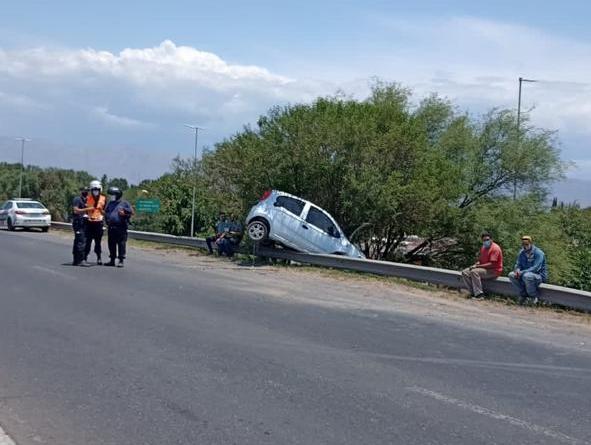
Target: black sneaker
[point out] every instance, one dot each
(522, 300)
(110, 263)
(479, 296)
(120, 263)
(99, 262)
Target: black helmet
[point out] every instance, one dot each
(115, 191)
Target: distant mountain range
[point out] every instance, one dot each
(573, 190)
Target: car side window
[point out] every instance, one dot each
(7, 205)
(292, 205)
(317, 218)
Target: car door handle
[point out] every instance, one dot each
(304, 226)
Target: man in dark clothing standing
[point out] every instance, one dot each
(117, 213)
(79, 216)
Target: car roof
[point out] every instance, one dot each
(279, 192)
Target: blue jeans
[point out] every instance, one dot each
(527, 284)
(227, 246)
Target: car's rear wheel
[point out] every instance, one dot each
(10, 225)
(257, 230)
(45, 229)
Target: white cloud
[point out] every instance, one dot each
(22, 102)
(141, 96)
(149, 65)
(121, 121)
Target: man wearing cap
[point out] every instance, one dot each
(530, 270)
(117, 213)
(488, 267)
(79, 216)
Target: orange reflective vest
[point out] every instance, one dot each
(96, 214)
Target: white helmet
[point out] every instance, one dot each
(96, 184)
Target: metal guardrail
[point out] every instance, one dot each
(558, 295)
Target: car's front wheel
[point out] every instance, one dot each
(45, 229)
(10, 225)
(257, 230)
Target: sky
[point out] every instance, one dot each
(107, 86)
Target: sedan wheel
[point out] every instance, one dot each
(9, 225)
(257, 231)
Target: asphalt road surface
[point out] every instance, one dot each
(165, 353)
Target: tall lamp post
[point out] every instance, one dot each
(20, 181)
(196, 128)
(521, 80)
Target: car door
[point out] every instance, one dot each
(287, 220)
(323, 233)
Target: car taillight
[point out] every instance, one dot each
(20, 212)
(46, 212)
(265, 195)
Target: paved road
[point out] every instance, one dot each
(159, 353)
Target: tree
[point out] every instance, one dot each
(386, 166)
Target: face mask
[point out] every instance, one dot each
(487, 243)
(527, 247)
(113, 198)
(95, 193)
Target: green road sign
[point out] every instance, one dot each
(147, 205)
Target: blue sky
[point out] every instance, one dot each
(109, 84)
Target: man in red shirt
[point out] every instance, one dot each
(488, 267)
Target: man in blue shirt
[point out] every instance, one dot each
(530, 270)
(117, 214)
(220, 228)
(79, 216)
(230, 240)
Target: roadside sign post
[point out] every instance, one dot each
(147, 206)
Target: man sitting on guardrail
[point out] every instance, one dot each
(229, 241)
(220, 228)
(488, 267)
(530, 270)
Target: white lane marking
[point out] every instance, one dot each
(5, 439)
(498, 416)
(486, 364)
(53, 272)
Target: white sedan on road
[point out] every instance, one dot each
(24, 213)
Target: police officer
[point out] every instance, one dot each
(118, 212)
(79, 217)
(94, 224)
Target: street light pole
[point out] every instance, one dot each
(196, 128)
(521, 80)
(20, 181)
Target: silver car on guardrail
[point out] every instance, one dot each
(297, 224)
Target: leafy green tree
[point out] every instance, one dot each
(386, 168)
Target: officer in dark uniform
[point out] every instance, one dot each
(79, 216)
(117, 213)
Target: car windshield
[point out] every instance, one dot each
(29, 205)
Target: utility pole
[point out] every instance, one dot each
(196, 128)
(521, 80)
(20, 181)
